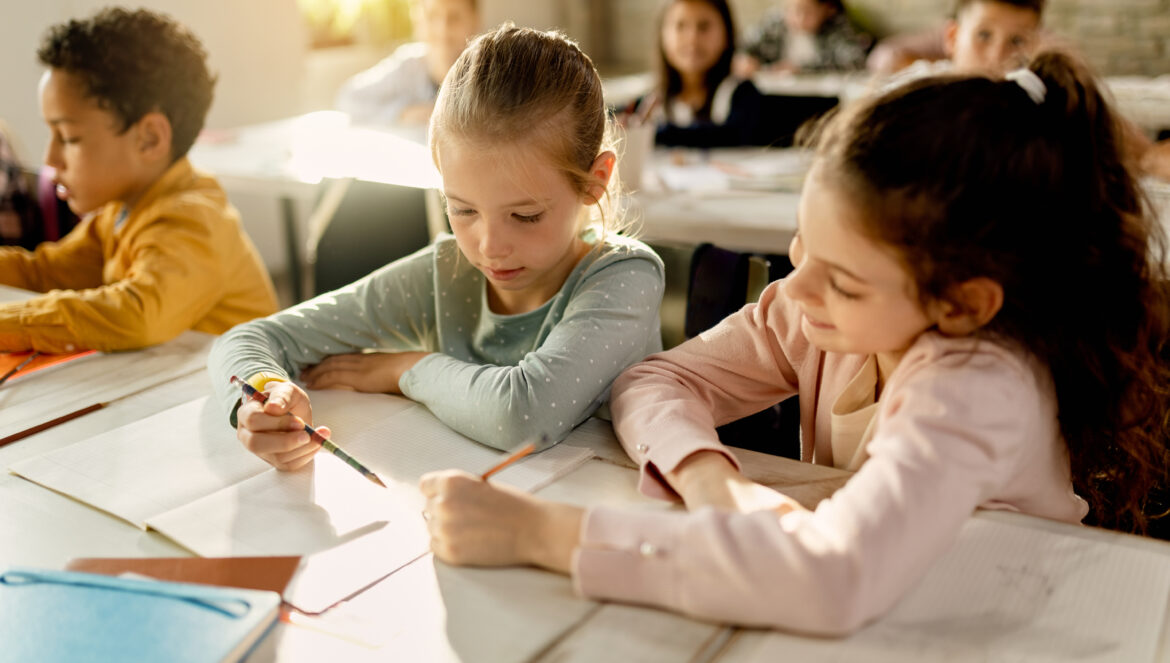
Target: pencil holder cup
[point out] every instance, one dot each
(637, 146)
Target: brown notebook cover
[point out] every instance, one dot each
(271, 573)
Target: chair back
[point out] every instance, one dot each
(704, 284)
(783, 115)
(359, 226)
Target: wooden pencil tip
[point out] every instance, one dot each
(374, 477)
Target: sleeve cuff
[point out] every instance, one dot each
(262, 378)
(257, 380)
(628, 556)
(655, 463)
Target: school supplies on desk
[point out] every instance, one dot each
(734, 169)
(57, 394)
(265, 573)
(1010, 588)
(49, 616)
(198, 486)
(251, 393)
(523, 450)
(24, 362)
(68, 416)
(15, 365)
(310, 583)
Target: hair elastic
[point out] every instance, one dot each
(1030, 83)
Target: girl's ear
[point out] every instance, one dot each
(971, 304)
(950, 35)
(601, 171)
(154, 137)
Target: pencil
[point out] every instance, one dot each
(49, 424)
(14, 371)
(252, 393)
(516, 455)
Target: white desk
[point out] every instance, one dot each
(620, 91)
(287, 160)
(744, 199)
(1143, 100)
(842, 85)
(428, 611)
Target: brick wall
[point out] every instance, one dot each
(1116, 36)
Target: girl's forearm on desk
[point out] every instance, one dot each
(552, 537)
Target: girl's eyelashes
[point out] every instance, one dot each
(840, 291)
(467, 211)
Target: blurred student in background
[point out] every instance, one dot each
(982, 36)
(401, 89)
(697, 101)
(808, 35)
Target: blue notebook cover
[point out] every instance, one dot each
(48, 616)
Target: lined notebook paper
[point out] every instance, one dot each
(1007, 592)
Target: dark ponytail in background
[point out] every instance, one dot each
(970, 177)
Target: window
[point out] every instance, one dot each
(345, 22)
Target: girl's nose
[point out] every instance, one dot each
(494, 243)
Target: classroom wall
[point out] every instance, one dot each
(257, 47)
(1116, 36)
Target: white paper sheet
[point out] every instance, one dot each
(1006, 592)
(183, 472)
(46, 395)
(328, 503)
(151, 466)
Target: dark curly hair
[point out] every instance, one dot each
(136, 62)
(969, 177)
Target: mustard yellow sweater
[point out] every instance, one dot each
(179, 261)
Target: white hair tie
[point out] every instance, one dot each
(1030, 83)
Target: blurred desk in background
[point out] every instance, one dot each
(286, 161)
(1144, 100)
(742, 199)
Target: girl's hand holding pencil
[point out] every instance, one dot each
(478, 523)
(317, 438)
(475, 522)
(274, 429)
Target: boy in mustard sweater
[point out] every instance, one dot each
(159, 250)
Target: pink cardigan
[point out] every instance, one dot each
(961, 424)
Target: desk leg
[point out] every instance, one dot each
(292, 245)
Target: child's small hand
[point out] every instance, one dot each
(709, 479)
(1156, 161)
(374, 373)
(744, 65)
(473, 522)
(275, 430)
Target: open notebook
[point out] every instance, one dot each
(183, 473)
(43, 396)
